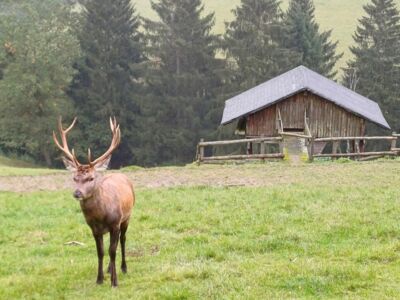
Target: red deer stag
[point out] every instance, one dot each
(106, 201)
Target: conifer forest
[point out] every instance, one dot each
(165, 77)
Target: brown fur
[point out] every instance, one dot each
(107, 208)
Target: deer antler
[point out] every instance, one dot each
(64, 148)
(116, 138)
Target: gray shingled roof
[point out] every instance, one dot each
(294, 81)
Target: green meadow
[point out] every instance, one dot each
(337, 237)
(340, 16)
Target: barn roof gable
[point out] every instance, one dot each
(293, 82)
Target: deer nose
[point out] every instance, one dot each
(78, 194)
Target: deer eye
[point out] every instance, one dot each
(75, 179)
(90, 179)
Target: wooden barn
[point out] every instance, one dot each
(301, 97)
(304, 108)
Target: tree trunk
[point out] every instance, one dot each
(47, 157)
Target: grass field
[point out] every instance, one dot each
(333, 233)
(339, 15)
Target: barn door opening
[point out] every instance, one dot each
(292, 113)
(285, 125)
(294, 138)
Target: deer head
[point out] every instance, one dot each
(85, 175)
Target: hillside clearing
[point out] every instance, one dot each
(17, 167)
(337, 15)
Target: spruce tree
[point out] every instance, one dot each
(303, 36)
(182, 80)
(109, 79)
(254, 43)
(375, 70)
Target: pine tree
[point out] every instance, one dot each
(36, 71)
(182, 79)
(375, 70)
(254, 42)
(109, 79)
(302, 35)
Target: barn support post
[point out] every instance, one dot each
(362, 146)
(280, 122)
(348, 147)
(249, 150)
(311, 149)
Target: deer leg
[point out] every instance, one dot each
(100, 254)
(124, 227)
(114, 237)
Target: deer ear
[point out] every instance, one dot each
(103, 165)
(69, 165)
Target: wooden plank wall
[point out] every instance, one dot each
(292, 111)
(329, 120)
(262, 123)
(325, 118)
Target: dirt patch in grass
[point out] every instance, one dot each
(269, 174)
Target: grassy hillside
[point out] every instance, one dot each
(11, 162)
(16, 171)
(15, 167)
(330, 234)
(339, 15)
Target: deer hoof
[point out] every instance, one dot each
(124, 269)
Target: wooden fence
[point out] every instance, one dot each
(357, 148)
(200, 156)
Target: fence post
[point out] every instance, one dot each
(394, 142)
(201, 151)
(262, 146)
(335, 146)
(357, 146)
(311, 150)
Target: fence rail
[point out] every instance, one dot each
(249, 156)
(358, 144)
(242, 141)
(357, 154)
(200, 155)
(349, 138)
